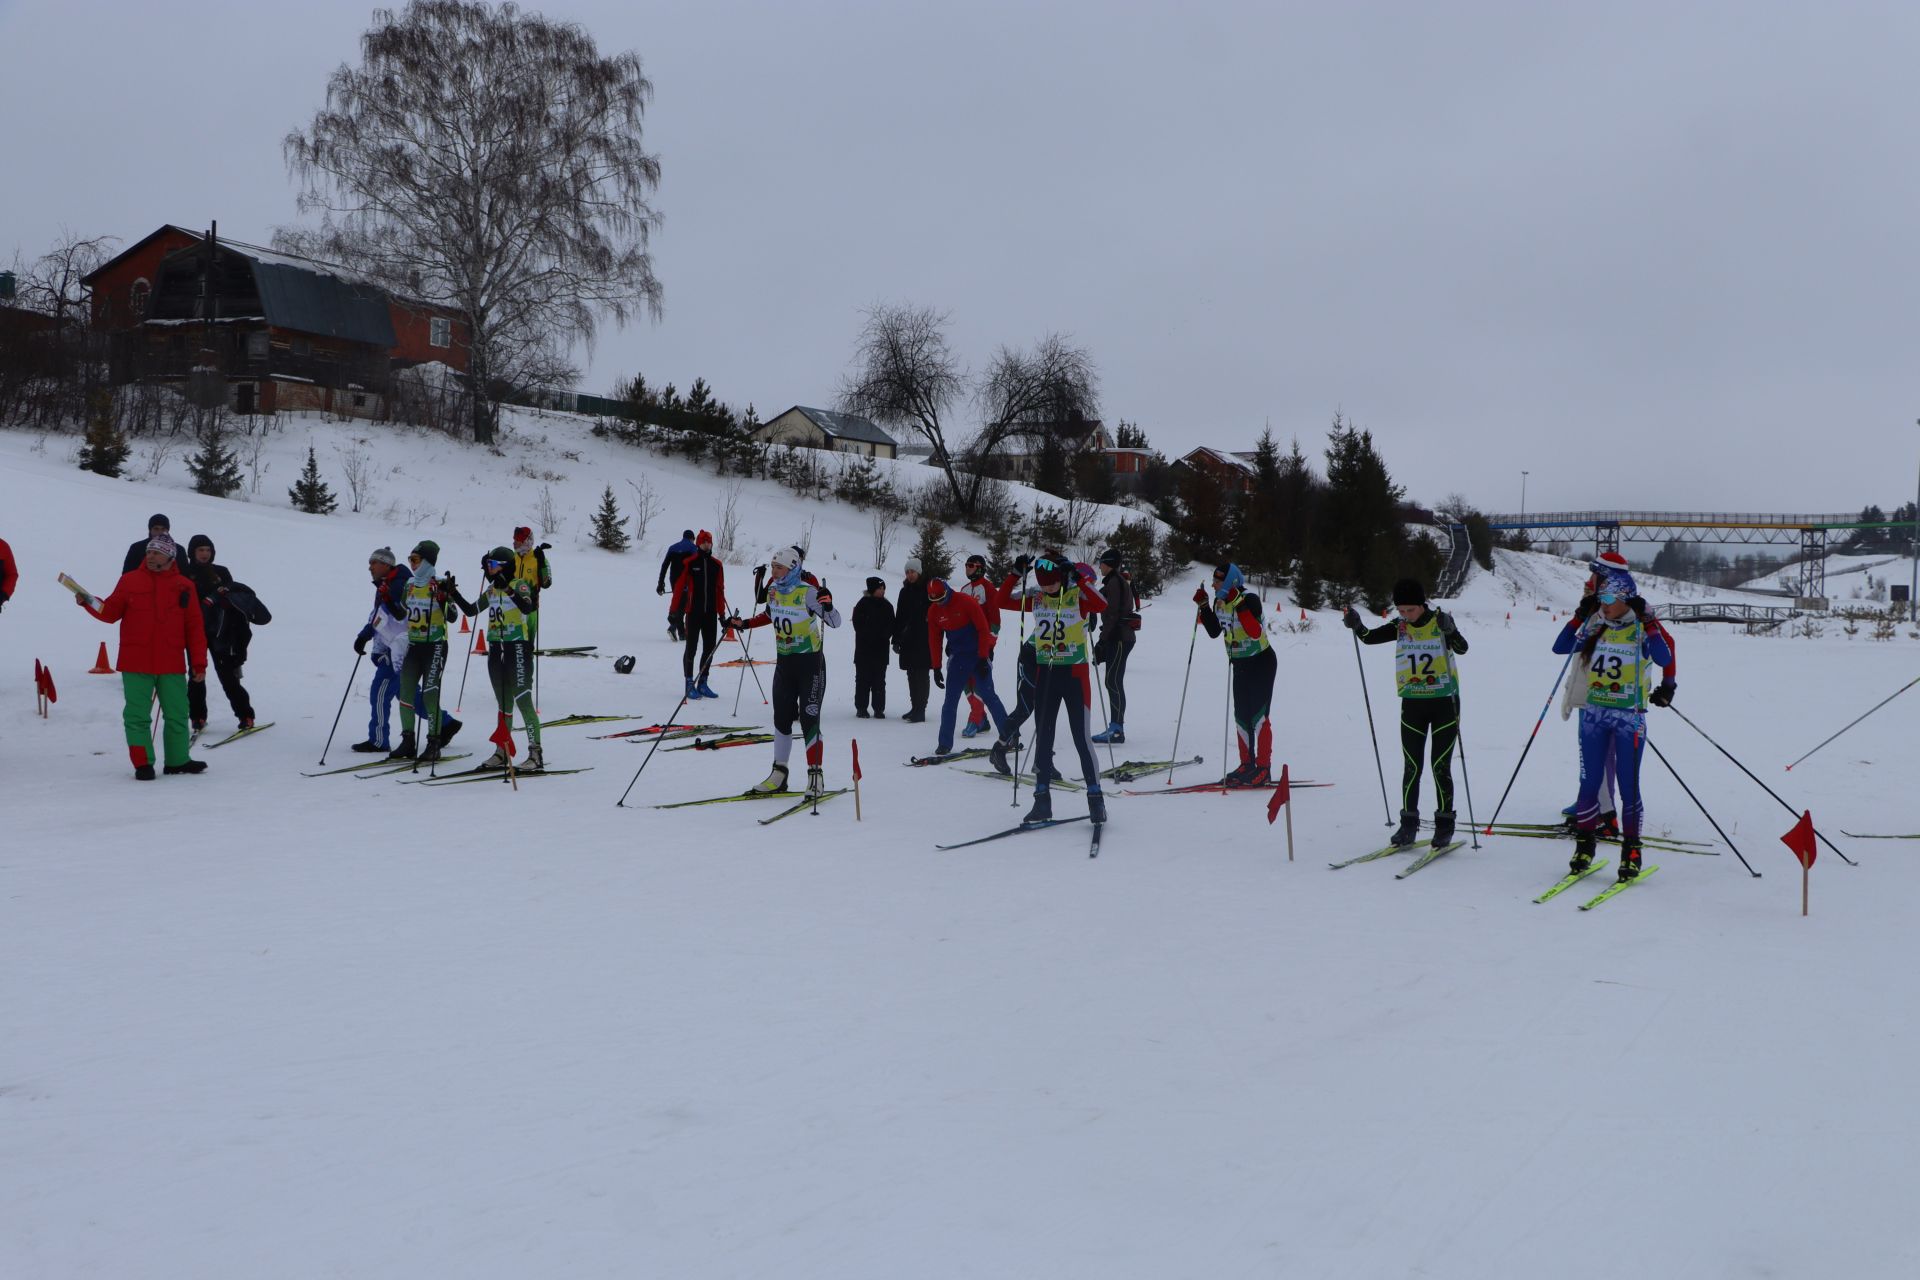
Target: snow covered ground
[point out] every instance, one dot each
(255, 1024)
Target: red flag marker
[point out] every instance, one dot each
(1281, 795)
(1801, 841)
(856, 778)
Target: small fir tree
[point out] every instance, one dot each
(931, 551)
(310, 493)
(215, 469)
(609, 528)
(104, 448)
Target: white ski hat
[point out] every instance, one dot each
(787, 557)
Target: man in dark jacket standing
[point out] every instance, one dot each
(700, 601)
(157, 525)
(910, 640)
(670, 569)
(872, 637)
(227, 612)
(1115, 642)
(163, 647)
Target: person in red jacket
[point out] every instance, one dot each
(9, 573)
(957, 615)
(163, 644)
(700, 602)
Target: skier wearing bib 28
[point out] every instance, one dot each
(1616, 645)
(1060, 605)
(797, 606)
(1425, 643)
(1233, 614)
(509, 602)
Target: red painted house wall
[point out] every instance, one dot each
(113, 284)
(413, 327)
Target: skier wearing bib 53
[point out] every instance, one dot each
(1425, 643)
(1614, 641)
(797, 605)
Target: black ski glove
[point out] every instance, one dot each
(360, 644)
(1639, 607)
(939, 680)
(1446, 623)
(1352, 621)
(1588, 606)
(1662, 696)
(1022, 563)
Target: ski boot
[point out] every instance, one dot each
(536, 759)
(973, 730)
(431, 752)
(997, 757)
(1096, 807)
(693, 691)
(1583, 853)
(498, 760)
(1113, 733)
(1609, 826)
(200, 766)
(450, 728)
(1042, 810)
(1256, 775)
(816, 782)
(144, 772)
(369, 747)
(197, 727)
(1050, 775)
(1629, 861)
(246, 724)
(773, 784)
(704, 689)
(861, 713)
(405, 751)
(1408, 832)
(1442, 828)
(1243, 776)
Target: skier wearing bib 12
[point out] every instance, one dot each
(1429, 684)
(509, 600)
(1616, 646)
(1233, 614)
(797, 605)
(1060, 605)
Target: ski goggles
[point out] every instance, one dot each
(1609, 597)
(1050, 566)
(494, 566)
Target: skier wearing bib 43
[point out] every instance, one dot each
(797, 605)
(1425, 643)
(1233, 614)
(1616, 646)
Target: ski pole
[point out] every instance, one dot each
(1460, 740)
(1019, 657)
(1703, 809)
(1546, 707)
(1875, 707)
(460, 703)
(345, 694)
(1750, 773)
(1366, 697)
(661, 737)
(1100, 688)
(1192, 636)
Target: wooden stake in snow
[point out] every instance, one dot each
(1801, 841)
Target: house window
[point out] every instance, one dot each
(257, 345)
(137, 298)
(440, 332)
(302, 347)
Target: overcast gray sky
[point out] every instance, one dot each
(1659, 255)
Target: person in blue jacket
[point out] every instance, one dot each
(1619, 652)
(670, 568)
(386, 632)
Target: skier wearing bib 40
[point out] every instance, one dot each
(1060, 605)
(1616, 646)
(796, 607)
(1425, 643)
(1233, 614)
(509, 601)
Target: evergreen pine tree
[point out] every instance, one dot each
(1257, 541)
(609, 529)
(310, 493)
(931, 551)
(214, 468)
(104, 449)
(1308, 592)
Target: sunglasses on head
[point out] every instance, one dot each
(494, 564)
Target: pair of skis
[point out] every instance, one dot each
(565, 722)
(494, 774)
(1093, 846)
(801, 801)
(1575, 877)
(721, 743)
(1429, 854)
(234, 736)
(381, 768)
(1220, 789)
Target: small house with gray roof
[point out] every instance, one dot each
(824, 429)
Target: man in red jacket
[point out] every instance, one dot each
(163, 643)
(9, 573)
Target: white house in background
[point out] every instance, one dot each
(825, 429)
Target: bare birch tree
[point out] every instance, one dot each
(489, 161)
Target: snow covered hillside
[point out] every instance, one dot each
(259, 1024)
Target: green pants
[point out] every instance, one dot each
(140, 690)
(510, 672)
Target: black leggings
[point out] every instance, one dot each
(1059, 687)
(1024, 682)
(227, 667)
(705, 632)
(799, 687)
(1418, 718)
(1117, 680)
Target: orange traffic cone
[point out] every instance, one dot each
(101, 667)
(479, 641)
(729, 638)
(463, 623)
(1303, 615)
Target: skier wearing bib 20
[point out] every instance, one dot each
(509, 601)
(1233, 614)
(1425, 643)
(797, 606)
(1616, 647)
(1060, 605)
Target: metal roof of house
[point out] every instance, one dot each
(845, 426)
(1223, 457)
(307, 298)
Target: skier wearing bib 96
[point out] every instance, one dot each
(1233, 614)
(797, 605)
(1425, 642)
(1616, 645)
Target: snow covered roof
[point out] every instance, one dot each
(1222, 458)
(845, 426)
(303, 296)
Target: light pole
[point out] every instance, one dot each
(1523, 493)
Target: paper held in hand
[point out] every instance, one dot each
(86, 596)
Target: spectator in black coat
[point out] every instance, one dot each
(229, 610)
(872, 639)
(910, 640)
(137, 553)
